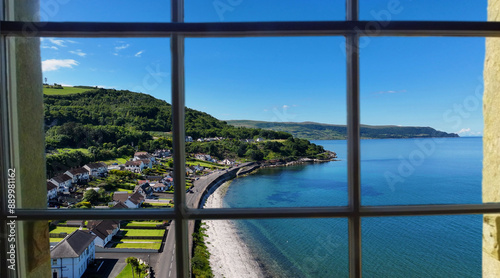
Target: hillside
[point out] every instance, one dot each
(103, 124)
(318, 131)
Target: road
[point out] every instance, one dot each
(166, 259)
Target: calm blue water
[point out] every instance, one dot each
(393, 172)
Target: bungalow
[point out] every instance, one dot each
(198, 167)
(159, 187)
(135, 200)
(63, 182)
(202, 156)
(161, 153)
(134, 166)
(120, 197)
(51, 190)
(78, 174)
(189, 139)
(98, 169)
(227, 162)
(104, 230)
(145, 189)
(144, 156)
(71, 256)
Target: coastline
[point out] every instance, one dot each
(229, 255)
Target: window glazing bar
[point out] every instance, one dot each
(258, 213)
(251, 29)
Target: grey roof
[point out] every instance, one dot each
(136, 198)
(51, 185)
(130, 162)
(62, 178)
(96, 165)
(120, 196)
(119, 205)
(102, 228)
(73, 245)
(77, 171)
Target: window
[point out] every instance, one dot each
(178, 31)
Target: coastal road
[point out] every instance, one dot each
(165, 266)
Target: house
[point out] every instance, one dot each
(159, 187)
(135, 200)
(259, 139)
(104, 230)
(98, 169)
(145, 189)
(119, 205)
(78, 174)
(71, 256)
(63, 182)
(161, 153)
(51, 190)
(134, 166)
(120, 197)
(189, 139)
(227, 162)
(198, 167)
(144, 156)
(147, 163)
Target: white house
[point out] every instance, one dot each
(159, 187)
(63, 182)
(51, 190)
(104, 230)
(71, 256)
(144, 156)
(135, 200)
(134, 166)
(98, 169)
(226, 162)
(189, 139)
(78, 175)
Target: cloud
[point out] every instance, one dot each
(390, 92)
(78, 52)
(467, 132)
(285, 107)
(121, 47)
(138, 54)
(54, 64)
(50, 47)
(57, 42)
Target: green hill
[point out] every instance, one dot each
(318, 131)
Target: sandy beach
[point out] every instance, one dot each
(230, 257)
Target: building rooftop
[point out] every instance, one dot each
(73, 245)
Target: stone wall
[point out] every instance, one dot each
(491, 148)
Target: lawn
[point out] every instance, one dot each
(68, 230)
(69, 150)
(144, 224)
(119, 160)
(55, 239)
(127, 273)
(138, 232)
(141, 245)
(124, 190)
(205, 164)
(65, 91)
(167, 205)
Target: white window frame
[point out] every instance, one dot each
(177, 31)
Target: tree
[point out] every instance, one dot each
(91, 196)
(134, 263)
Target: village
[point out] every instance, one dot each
(143, 181)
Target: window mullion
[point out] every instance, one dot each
(353, 142)
(178, 107)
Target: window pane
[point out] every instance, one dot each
(105, 11)
(111, 242)
(429, 10)
(413, 89)
(430, 246)
(107, 122)
(272, 248)
(282, 86)
(261, 10)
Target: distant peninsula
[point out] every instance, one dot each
(319, 131)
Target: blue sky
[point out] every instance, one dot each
(419, 81)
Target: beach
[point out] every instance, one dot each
(229, 256)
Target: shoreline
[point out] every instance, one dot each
(229, 255)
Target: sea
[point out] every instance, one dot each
(393, 172)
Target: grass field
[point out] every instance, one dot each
(205, 164)
(138, 232)
(144, 224)
(65, 91)
(127, 273)
(119, 160)
(124, 190)
(142, 245)
(167, 205)
(55, 239)
(68, 230)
